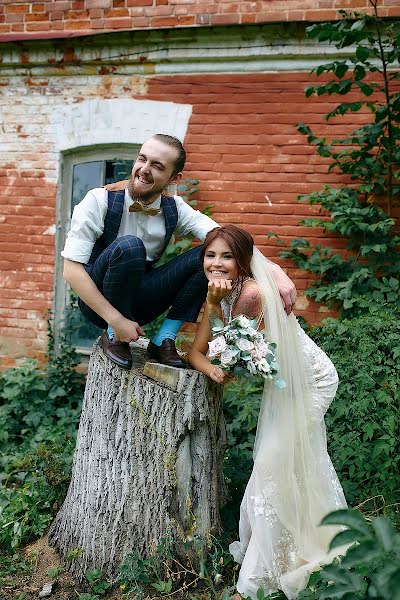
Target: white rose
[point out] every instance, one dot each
(244, 344)
(228, 358)
(243, 321)
(260, 350)
(216, 346)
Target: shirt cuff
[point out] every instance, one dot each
(77, 250)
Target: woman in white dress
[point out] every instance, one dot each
(293, 484)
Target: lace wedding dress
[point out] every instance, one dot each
(293, 484)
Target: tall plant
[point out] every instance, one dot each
(370, 155)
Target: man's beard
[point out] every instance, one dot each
(142, 197)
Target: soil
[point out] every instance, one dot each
(65, 587)
(44, 558)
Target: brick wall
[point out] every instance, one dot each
(47, 18)
(241, 143)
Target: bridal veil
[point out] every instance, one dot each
(293, 484)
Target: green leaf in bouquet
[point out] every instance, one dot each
(239, 371)
(217, 325)
(244, 331)
(246, 357)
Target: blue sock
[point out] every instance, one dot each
(168, 329)
(110, 332)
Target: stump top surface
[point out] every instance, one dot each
(163, 374)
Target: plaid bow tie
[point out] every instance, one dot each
(136, 206)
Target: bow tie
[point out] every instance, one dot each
(136, 206)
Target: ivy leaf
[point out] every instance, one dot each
(362, 53)
(366, 89)
(341, 69)
(359, 72)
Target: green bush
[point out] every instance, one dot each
(242, 400)
(369, 155)
(363, 422)
(370, 567)
(39, 412)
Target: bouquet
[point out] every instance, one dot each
(239, 348)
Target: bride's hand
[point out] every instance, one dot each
(218, 375)
(217, 290)
(116, 186)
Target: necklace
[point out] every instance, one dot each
(229, 301)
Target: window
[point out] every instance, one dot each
(81, 172)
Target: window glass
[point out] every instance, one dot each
(85, 176)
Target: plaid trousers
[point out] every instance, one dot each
(142, 292)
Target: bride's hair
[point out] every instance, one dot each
(239, 241)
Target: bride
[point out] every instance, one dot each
(293, 484)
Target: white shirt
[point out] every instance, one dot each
(87, 225)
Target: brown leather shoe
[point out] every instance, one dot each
(118, 352)
(166, 354)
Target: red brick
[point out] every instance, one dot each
(205, 9)
(140, 22)
(320, 15)
(97, 4)
(96, 13)
(163, 22)
(158, 11)
(393, 11)
(113, 13)
(228, 7)
(134, 3)
(57, 6)
(77, 25)
(186, 21)
(224, 19)
(98, 24)
(120, 23)
(38, 26)
(14, 18)
(247, 18)
(16, 8)
(76, 15)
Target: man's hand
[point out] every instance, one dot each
(117, 185)
(126, 330)
(217, 290)
(286, 288)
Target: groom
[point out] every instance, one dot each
(115, 241)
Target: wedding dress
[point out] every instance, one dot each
(293, 484)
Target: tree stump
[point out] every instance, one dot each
(147, 464)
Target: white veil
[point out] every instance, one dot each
(293, 484)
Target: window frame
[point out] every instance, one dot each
(68, 160)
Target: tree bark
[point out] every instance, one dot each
(147, 464)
